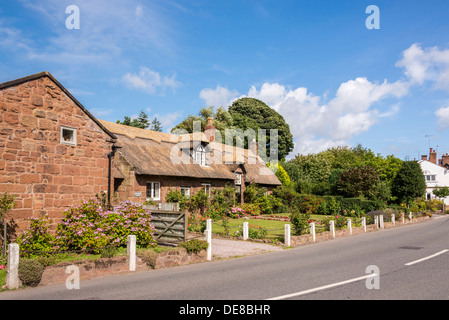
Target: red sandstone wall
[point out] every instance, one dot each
(42, 173)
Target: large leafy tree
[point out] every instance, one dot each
(222, 120)
(250, 113)
(409, 182)
(358, 181)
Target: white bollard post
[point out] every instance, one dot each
(411, 217)
(381, 221)
(245, 230)
(376, 221)
(12, 271)
(209, 224)
(332, 228)
(312, 231)
(364, 223)
(287, 239)
(131, 250)
(393, 219)
(350, 226)
(208, 233)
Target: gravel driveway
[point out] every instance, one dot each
(223, 248)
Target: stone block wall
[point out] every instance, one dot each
(43, 173)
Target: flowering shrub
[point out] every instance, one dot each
(89, 226)
(251, 209)
(37, 237)
(236, 212)
(341, 222)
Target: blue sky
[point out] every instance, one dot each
(335, 81)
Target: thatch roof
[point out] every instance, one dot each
(163, 154)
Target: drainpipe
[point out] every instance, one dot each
(110, 156)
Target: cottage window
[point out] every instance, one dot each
(200, 156)
(430, 177)
(238, 178)
(206, 187)
(68, 136)
(185, 191)
(153, 191)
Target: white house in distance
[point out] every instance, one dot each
(436, 174)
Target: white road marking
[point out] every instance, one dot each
(426, 258)
(296, 294)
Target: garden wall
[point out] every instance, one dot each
(90, 269)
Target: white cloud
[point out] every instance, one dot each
(428, 64)
(443, 116)
(149, 81)
(104, 35)
(317, 126)
(218, 97)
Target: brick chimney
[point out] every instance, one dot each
(253, 147)
(444, 161)
(423, 157)
(433, 156)
(209, 130)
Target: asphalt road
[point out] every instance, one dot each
(335, 269)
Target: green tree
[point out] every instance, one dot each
(142, 122)
(358, 181)
(222, 120)
(250, 113)
(156, 125)
(409, 182)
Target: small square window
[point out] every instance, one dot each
(68, 135)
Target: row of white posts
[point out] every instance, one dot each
(378, 221)
(12, 271)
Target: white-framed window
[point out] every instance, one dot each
(200, 155)
(207, 188)
(430, 178)
(238, 178)
(153, 190)
(185, 191)
(68, 135)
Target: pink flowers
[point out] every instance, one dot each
(2, 266)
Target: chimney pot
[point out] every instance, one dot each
(209, 130)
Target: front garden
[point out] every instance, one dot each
(88, 231)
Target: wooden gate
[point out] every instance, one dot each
(170, 226)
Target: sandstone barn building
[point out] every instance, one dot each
(55, 153)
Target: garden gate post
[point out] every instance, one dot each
(350, 226)
(364, 223)
(393, 219)
(381, 221)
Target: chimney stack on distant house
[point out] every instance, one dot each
(433, 156)
(209, 130)
(423, 157)
(444, 161)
